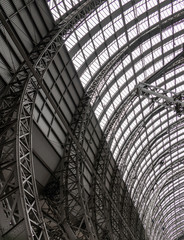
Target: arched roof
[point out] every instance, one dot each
(120, 45)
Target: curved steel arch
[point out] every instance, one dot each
(146, 174)
(26, 90)
(129, 81)
(129, 48)
(101, 214)
(180, 236)
(150, 189)
(160, 174)
(142, 126)
(171, 126)
(169, 192)
(111, 217)
(98, 82)
(105, 72)
(156, 231)
(112, 37)
(141, 200)
(150, 210)
(170, 218)
(179, 225)
(162, 188)
(118, 112)
(133, 135)
(43, 65)
(103, 92)
(108, 19)
(116, 115)
(153, 141)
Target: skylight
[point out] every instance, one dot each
(60, 7)
(147, 138)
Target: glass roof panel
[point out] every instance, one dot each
(60, 7)
(147, 140)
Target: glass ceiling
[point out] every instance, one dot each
(59, 7)
(148, 139)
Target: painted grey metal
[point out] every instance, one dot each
(21, 92)
(26, 179)
(162, 97)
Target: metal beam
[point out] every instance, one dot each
(163, 97)
(171, 64)
(38, 77)
(97, 84)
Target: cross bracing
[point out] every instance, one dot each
(83, 156)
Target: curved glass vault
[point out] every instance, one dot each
(136, 39)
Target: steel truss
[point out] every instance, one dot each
(107, 218)
(151, 187)
(171, 100)
(162, 97)
(100, 80)
(97, 84)
(102, 200)
(18, 181)
(75, 172)
(17, 102)
(16, 108)
(97, 194)
(132, 176)
(103, 217)
(93, 92)
(136, 133)
(101, 205)
(108, 221)
(72, 198)
(120, 199)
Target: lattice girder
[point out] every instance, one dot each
(42, 63)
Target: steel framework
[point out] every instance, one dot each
(92, 93)
(75, 212)
(162, 97)
(120, 114)
(97, 85)
(104, 211)
(17, 102)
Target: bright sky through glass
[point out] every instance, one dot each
(60, 7)
(147, 139)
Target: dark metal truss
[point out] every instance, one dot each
(115, 227)
(97, 83)
(162, 97)
(120, 113)
(96, 213)
(17, 103)
(17, 176)
(93, 92)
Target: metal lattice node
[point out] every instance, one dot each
(115, 65)
(135, 128)
(26, 179)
